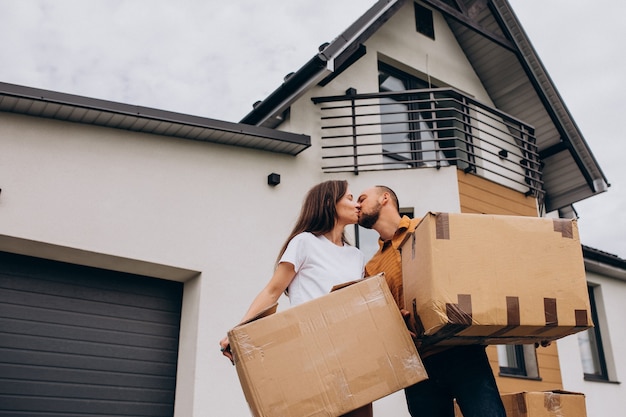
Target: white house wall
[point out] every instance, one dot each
(602, 398)
(175, 209)
(203, 213)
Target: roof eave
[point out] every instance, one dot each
(62, 106)
(575, 144)
(269, 111)
(293, 87)
(604, 263)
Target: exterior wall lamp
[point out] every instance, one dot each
(273, 179)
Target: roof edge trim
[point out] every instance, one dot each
(147, 113)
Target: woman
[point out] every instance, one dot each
(315, 256)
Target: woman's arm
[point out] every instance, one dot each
(271, 293)
(283, 275)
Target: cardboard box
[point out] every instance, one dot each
(493, 279)
(545, 404)
(328, 356)
(541, 404)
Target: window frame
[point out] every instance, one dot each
(424, 22)
(525, 366)
(596, 345)
(430, 131)
(413, 139)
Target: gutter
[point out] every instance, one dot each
(269, 111)
(604, 263)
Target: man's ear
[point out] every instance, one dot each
(384, 198)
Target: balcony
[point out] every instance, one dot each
(428, 128)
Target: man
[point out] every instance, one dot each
(462, 372)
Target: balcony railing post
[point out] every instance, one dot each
(351, 92)
(529, 161)
(468, 135)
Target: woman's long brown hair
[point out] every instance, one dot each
(319, 211)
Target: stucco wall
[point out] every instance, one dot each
(603, 399)
(174, 209)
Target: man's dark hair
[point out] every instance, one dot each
(393, 195)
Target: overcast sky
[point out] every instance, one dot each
(215, 58)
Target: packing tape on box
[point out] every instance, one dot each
(582, 320)
(442, 226)
(564, 227)
(459, 316)
(552, 402)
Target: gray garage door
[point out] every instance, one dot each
(78, 341)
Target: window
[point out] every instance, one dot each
(518, 360)
(590, 344)
(422, 128)
(424, 23)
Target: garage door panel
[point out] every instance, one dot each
(29, 267)
(17, 372)
(78, 289)
(83, 333)
(44, 357)
(85, 341)
(45, 315)
(84, 349)
(46, 406)
(85, 392)
(71, 303)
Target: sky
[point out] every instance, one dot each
(216, 58)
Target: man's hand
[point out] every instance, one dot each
(406, 314)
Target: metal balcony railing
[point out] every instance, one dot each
(428, 128)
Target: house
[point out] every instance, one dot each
(591, 362)
(132, 238)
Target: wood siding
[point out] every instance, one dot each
(478, 195)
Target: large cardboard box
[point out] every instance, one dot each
(494, 279)
(328, 356)
(541, 404)
(545, 404)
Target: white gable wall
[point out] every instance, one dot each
(397, 43)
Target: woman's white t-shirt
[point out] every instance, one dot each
(320, 265)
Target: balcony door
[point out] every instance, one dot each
(419, 129)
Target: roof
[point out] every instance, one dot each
(604, 257)
(502, 55)
(72, 108)
(604, 263)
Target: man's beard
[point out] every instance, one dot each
(368, 220)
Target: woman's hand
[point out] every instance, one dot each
(225, 349)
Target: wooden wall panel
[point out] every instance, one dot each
(478, 195)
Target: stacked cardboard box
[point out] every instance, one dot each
(328, 356)
(541, 404)
(493, 279)
(545, 404)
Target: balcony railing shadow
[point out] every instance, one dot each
(428, 128)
